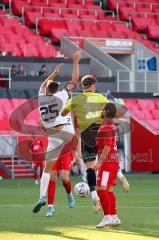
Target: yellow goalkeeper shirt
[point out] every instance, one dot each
(88, 107)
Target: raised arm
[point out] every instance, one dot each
(75, 74)
(50, 78)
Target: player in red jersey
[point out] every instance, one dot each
(107, 166)
(38, 157)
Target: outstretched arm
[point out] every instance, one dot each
(50, 78)
(75, 75)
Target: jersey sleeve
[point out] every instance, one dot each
(70, 104)
(42, 93)
(105, 99)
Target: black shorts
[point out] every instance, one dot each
(88, 143)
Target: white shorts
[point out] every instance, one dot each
(57, 142)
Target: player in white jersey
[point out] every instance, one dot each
(51, 103)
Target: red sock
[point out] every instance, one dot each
(105, 201)
(68, 187)
(51, 192)
(35, 173)
(113, 203)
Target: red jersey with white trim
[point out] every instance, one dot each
(107, 135)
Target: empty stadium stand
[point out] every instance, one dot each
(146, 111)
(83, 18)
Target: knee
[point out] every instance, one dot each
(64, 178)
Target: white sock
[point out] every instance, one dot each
(94, 195)
(44, 184)
(108, 217)
(70, 194)
(114, 217)
(50, 205)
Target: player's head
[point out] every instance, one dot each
(53, 87)
(88, 83)
(109, 111)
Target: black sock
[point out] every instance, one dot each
(91, 178)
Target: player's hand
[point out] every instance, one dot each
(42, 125)
(96, 166)
(76, 56)
(58, 67)
(126, 186)
(78, 159)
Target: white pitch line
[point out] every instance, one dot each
(82, 206)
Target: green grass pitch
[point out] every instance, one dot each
(138, 210)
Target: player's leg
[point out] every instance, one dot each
(55, 146)
(102, 181)
(113, 209)
(41, 170)
(36, 174)
(65, 167)
(124, 181)
(51, 194)
(68, 187)
(91, 179)
(88, 147)
(44, 185)
(89, 156)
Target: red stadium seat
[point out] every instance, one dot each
(152, 32)
(57, 34)
(47, 51)
(40, 4)
(124, 12)
(89, 17)
(90, 26)
(10, 48)
(17, 6)
(76, 6)
(57, 5)
(140, 24)
(34, 39)
(85, 33)
(48, 10)
(74, 25)
(51, 15)
(69, 15)
(45, 26)
(3, 12)
(28, 50)
(31, 17)
(112, 4)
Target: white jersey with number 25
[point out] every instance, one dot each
(50, 108)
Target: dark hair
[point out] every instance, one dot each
(88, 80)
(109, 111)
(53, 87)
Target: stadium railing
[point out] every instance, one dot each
(137, 81)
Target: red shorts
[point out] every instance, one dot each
(64, 162)
(107, 174)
